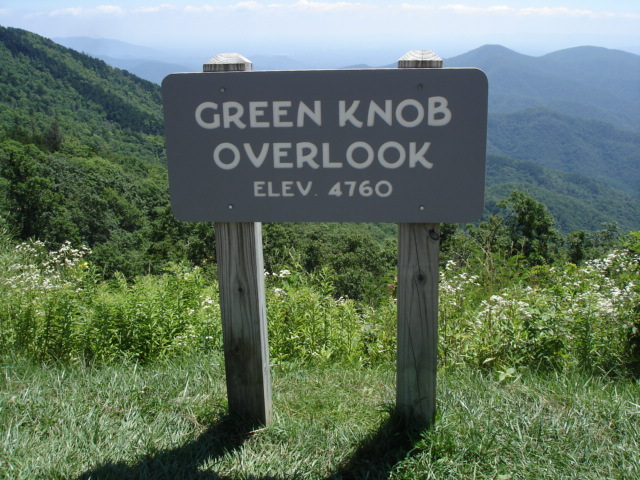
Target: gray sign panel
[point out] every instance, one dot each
(396, 145)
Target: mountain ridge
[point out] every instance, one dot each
(564, 80)
(576, 201)
(575, 87)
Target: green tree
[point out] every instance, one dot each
(531, 229)
(34, 205)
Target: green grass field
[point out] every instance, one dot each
(168, 421)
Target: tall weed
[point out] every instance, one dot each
(44, 296)
(306, 322)
(55, 306)
(155, 316)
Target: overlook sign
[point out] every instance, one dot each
(405, 145)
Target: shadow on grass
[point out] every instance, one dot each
(377, 455)
(374, 459)
(181, 463)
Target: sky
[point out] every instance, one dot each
(366, 29)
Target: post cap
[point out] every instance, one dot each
(420, 59)
(228, 62)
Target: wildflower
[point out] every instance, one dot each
(206, 303)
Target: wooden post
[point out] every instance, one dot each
(242, 300)
(418, 255)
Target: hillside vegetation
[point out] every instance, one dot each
(576, 201)
(81, 155)
(502, 304)
(588, 148)
(50, 93)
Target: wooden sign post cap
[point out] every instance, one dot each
(228, 62)
(420, 59)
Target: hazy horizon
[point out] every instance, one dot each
(334, 33)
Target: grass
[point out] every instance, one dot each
(169, 420)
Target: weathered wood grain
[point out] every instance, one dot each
(242, 300)
(418, 255)
(244, 319)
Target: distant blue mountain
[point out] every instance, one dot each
(104, 47)
(589, 82)
(144, 62)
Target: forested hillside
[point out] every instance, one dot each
(576, 201)
(590, 148)
(50, 92)
(567, 128)
(82, 155)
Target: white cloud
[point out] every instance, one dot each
(326, 6)
(323, 7)
(155, 9)
(462, 9)
(204, 8)
(249, 5)
(81, 11)
(411, 6)
(298, 6)
(562, 12)
(110, 9)
(72, 11)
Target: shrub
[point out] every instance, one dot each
(553, 317)
(306, 322)
(55, 308)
